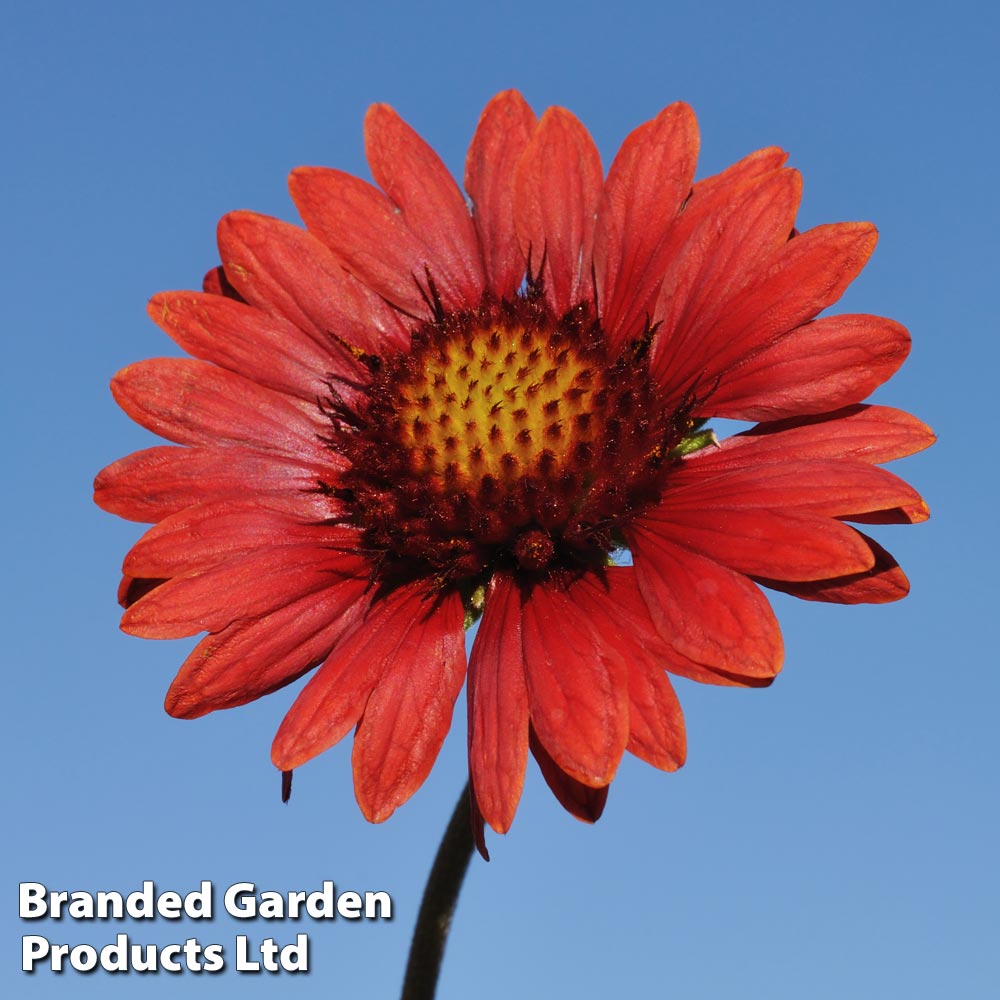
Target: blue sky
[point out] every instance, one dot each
(831, 836)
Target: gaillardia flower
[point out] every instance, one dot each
(411, 412)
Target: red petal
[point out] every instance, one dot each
(409, 712)
(331, 704)
(761, 161)
(784, 545)
(252, 658)
(192, 402)
(498, 706)
(504, 130)
(656, 722)
(577, 686)
(836, 488)
(557, 189)
(707, 612)
(805, 276)
(206, 535)
(478, 826)
(718, 247)
(244, 340)
(883, 583)
(245, 587)
(648, 182)
(215, 282)
(131, 590)
(363, 227)
(288, 273)
(815, 368)
(656, 725)
(416, 180)
(866, 433)
(642, 642)
(578, 799)
(153, 484)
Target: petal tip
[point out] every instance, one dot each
(378, 115)
(374, 812)
(284, 754)
(184, 704)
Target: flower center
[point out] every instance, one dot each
(501, 402)
(505, 436)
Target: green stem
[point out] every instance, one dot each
(436, 908)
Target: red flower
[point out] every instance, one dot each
(407, 413)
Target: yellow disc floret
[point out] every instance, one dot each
(502, 402)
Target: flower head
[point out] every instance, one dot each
(409, 413)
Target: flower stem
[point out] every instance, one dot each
(438, 904)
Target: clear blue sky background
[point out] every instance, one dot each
(832, 836)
